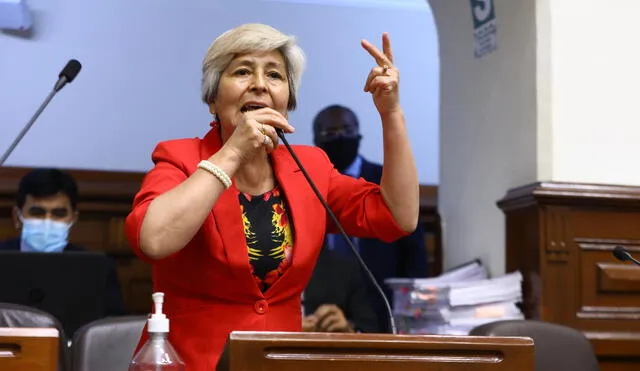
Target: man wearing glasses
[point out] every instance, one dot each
(336, 131)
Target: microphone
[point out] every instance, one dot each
(392, 322)
(623, 255)
(68, 73)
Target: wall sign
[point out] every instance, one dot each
(484, 27)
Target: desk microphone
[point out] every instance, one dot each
(68, 73)
(623, 255)
(392, 322)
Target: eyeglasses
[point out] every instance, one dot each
(338, 132)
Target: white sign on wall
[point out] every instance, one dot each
(484, 27)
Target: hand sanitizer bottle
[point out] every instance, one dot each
(157, 354)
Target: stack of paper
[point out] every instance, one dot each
(455, 302)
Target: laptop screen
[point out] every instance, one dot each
(70, 285)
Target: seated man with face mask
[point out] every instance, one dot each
(336, 130)
(45, 211)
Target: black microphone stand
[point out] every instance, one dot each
(68, 73)
(392, 322)
(26, 128)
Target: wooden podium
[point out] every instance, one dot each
(282, 351)
(28, 349)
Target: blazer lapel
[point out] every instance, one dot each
(300, 204)
(228, 220)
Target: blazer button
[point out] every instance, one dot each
(261, 306)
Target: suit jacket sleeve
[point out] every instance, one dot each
(168, 172)
(359, 308)
(413, 252)
(360, 207)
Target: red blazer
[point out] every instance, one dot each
(208, 286)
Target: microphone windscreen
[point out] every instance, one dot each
(71, 70)
(620, 253)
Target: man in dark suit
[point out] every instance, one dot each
(337, 131)
(45, 211)
(336, 298)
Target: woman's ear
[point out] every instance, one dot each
(212, 108)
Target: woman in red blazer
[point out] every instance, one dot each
(228, 222)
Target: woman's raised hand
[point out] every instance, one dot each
(384, 79)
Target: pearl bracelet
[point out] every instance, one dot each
(216, 171)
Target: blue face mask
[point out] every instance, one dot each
(44, 235)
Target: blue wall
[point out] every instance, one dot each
(141, 74)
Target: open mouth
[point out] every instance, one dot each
(251, 107)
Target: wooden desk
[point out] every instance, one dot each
(374, 352)
(28, 349)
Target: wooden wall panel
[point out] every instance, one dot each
(105, 200)
(432, 227)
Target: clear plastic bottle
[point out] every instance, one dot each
(157, 354)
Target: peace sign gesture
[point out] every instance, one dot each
(383, 80)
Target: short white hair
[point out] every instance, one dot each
(249, 38)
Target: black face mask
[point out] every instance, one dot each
(341, 151)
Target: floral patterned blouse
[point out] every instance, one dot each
(268, 234)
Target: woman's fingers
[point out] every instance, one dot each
(271, 117)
